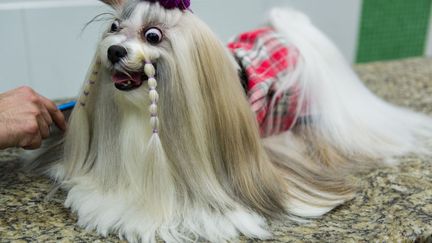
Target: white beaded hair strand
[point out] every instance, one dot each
(150, 71)
(90, 83)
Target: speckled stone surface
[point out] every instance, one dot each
(392, 204)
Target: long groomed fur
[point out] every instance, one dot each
(205, 172)
(346, 114)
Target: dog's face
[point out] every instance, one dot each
(140, 33)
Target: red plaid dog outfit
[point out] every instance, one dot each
(265, 58)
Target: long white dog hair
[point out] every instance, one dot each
(181, 157)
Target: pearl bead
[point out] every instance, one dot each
(152, 83)
(154, 122)
(86, 90)
(149, 70)
(153, 109)
(154, 96)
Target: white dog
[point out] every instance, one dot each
(164, 143)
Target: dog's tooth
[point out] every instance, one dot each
(129, 82)
(149, 70)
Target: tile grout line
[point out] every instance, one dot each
(355, 46)
(428, 44)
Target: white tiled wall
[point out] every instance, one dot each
(42, 43)
(58, 62)
(13, 50)
(339, 19)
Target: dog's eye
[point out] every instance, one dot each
(115, 26)
(153, 35)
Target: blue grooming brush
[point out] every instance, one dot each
(67, 106)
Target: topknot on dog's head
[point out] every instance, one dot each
(168, 4)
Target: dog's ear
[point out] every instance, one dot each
(114, 3)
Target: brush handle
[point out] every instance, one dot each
(67, 106)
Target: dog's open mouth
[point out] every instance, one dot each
(128, 82)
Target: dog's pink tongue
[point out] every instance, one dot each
(123, 78)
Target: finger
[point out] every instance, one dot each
(34, 143)
(46, 115)
(43, 107)
(56, 115)
(43, 127)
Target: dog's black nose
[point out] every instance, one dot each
(115, 53)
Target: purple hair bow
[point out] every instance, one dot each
(171, 4)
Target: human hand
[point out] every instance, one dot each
(25, 117)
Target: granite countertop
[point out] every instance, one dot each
(392, 204)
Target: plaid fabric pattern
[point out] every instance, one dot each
(265, 58)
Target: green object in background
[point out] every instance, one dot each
(393, 29)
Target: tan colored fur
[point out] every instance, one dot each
(214, 152)
(210, 163)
